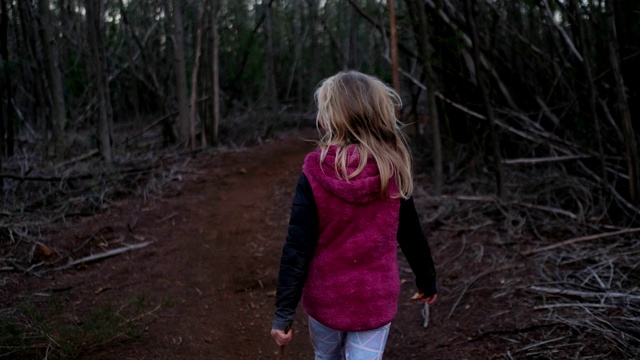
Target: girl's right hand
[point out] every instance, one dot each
(281, 337)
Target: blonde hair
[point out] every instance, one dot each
(359, 109)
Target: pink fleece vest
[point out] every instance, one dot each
(353, 282)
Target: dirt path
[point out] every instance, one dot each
(213, 268)
(217, 258)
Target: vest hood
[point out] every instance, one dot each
(362, 188)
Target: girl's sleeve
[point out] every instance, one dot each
(301, 241)
(415, 247)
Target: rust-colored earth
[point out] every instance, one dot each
(210, 273)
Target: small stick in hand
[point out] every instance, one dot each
(425, 309)
(425, 315)
(281, 349)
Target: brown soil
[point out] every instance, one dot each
(212, 269)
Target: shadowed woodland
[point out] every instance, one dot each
(522, 116)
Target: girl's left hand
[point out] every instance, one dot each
(425, 299)
(429, 299)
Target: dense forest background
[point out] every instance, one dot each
(522, 115)
(486, 84)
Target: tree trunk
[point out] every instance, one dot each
(298, 40)
(54, 78)
(348, 41)
(300, 65)
(425, 50)
(313, 46)
(98, 63)
(34, 67)
(5, 82)
(216, 75)
(481, 80)
(194, 75)
(393, 34)
(180, 73)
(7, 129)
(623, 108)
(270, 68)
(593, 93)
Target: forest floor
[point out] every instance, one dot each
(206, 283)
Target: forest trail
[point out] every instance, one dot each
(217, 258)
(208, 280)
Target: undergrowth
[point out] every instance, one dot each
(44, 329)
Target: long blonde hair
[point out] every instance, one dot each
(359, 109)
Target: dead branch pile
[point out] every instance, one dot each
(587, 293)
(542, 203)
(592, 288)
(38, 197)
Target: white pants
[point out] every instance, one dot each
(330, 344)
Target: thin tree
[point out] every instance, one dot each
(348, 35)
(299, 38)
(216, 75)
(33, 77)
(7, 129)
(98, 64)
(393, 34)
(5, 83)
(482, 81)
(180, 73)
(54, 78)
(425, 50)
(631, 144)
(194, 74)
(269, 63)
(593, 92)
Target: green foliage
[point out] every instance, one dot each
(137, 302)
(171, 301)
(36, 327)
(74, 80)
(10, 67)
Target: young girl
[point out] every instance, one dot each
(351, 208)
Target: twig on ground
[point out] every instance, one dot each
(584, 294)
(532, 161)
(103, 255)
(472, 281)
(168, 217)
(580, 239)
(531, 346)
(572, 305)
(76, 159)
